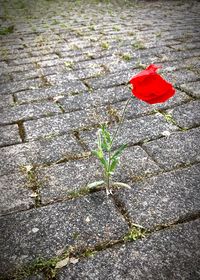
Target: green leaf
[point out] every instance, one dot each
(106, 143)
(95, 184)
(118, 152)
(98, 154)
(113, 165)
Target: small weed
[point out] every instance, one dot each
(92, 28)
(6, 30)
(88, 253)
(126, 56)
(105, 45)
(138, 45)
(116, 28)
(136, 232)
(78, 193)
(69, 64)
(158, 34)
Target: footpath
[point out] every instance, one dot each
(64, 71)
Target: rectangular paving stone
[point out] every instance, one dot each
(187, 115)
(96, 98)
(9, 135)
(137, 107)
(44, 151)
(164, 199)
(13, 87)
(64, 123)
(28, 111)
(43, 232)
(192, 88)
(168, 254)
(15, 194)
(68, 88)
(59, 180)
(110, 80)
(6, 101)
(133, 131)
(181, 148)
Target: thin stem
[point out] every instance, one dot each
(113, 138)
(120, 122)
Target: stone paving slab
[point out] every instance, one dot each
(16, 194)
(187, 115)
(9, 135)
(169, 254)
(14, 158)
(134, 131)
(163, 199)
(44, 232)
(65, 68)
(6, 101)
(137, 107)
(28, 111)
(61, 180)
(178, 149)
(68, 88)
(64, 123)
(192, 88)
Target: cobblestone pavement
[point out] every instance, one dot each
(65, 67)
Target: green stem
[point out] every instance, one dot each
(113, 138)
(120, 122)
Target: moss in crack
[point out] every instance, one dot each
(33, 182)
(22, 132)
(136, 232)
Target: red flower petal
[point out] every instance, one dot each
(150, 86)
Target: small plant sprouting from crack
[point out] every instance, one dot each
(136, 232)
(126, 56)
(33, 182)
(105, 45)
(138, 45)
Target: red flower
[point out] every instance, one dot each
(150, 86)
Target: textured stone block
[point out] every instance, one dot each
(50, 150)
(178, 149)
(42, 232)
(133, 131)
(9, 135)
(64, 123)
(164, 199)
(168, 254)
(187, 115)
(28, 111)
(15, 194)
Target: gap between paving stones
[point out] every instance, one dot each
(48, 266)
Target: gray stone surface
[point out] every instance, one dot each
(110, 80)
(134, 131)
(178, 149)
(43, 232)
(187, 115)
(15, 194)
(64, 123)
(9, 135)
(96, 98)
(6, 101)
(58, 181)
(64, 70)
(169, 254)
(69, 88)
(13, 87)
(163, 199)
(136, 107)
(28, 111)
(192, 88)
(44, 151)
